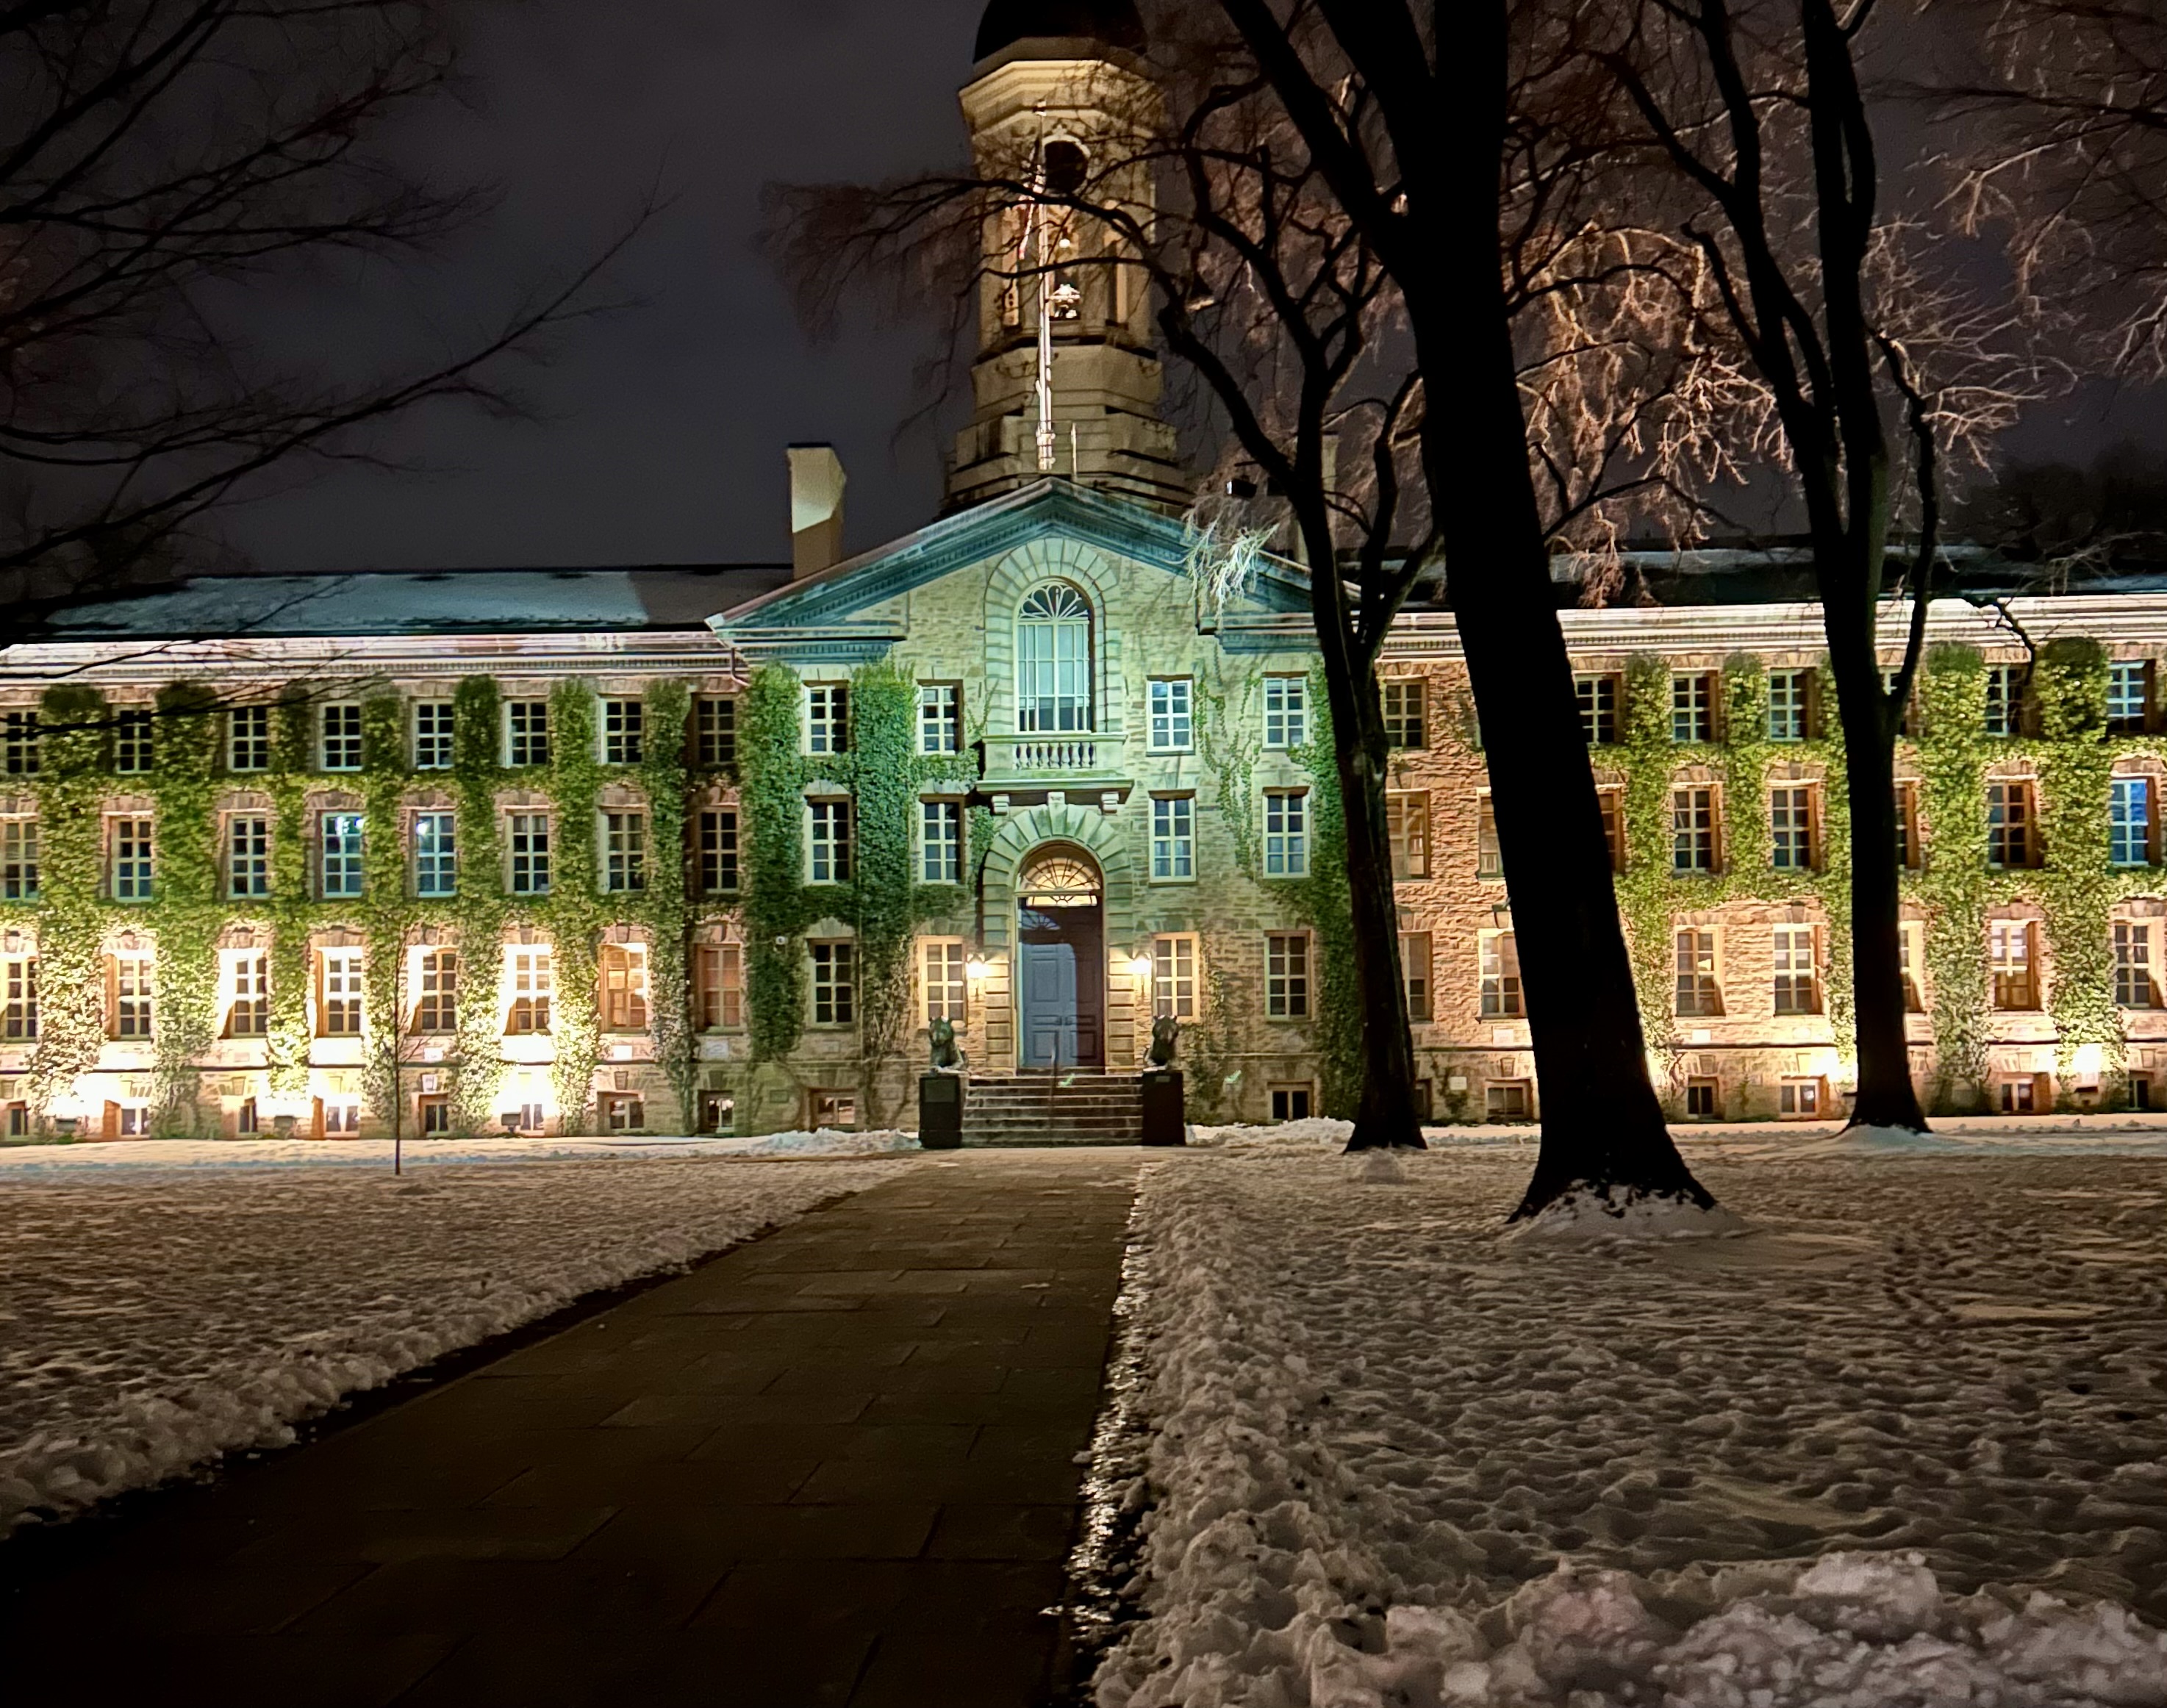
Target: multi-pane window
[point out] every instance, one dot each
(828, 847)
(2128, 696)
(1693, 706)
(2129, 821)
(338, 867)
(19, 998)
(131, 742)
(437, 1007)
(1907, 825)
(527, 731)
(835, 983)
(19, 744)
(1911, 956)
(1286, 833)
(135, 996)
(718, 851)
(1053, 662)
(1173, 977)
(1407, 826)
(1173, 720)
(342, 1119)
(1791, 829)
(1611, 804)
(941, 841)
(827, 718)
(248, 855)
(1787, 705)
(1286, 710)
(1598, 709)
(1489, 857)
(2010, 841)
(720, 979)
(940, 717)
(1702, 1103)
(339, 737)
(533, 980)
(1415, 972)
(1692, 829)
(1797, 978)
(1500, 976)
(338, 1008)
(248, 739)
(2133, 983)
(1286, 975)
(436, 855)
(624, 851)
(1290, 1102)
(2005, 698)
(946, 980)
(624, 731)
(715, 733)
(1174, 837)
(528, 836)
(1798, 1096)
(1698, 992)
(1404, 704)
(18, 860)
(432, 735)
(624, 987)
(2009, 952)
(132, 860)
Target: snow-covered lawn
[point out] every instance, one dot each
(152, 1316)
(1396, 1457)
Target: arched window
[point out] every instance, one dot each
(1053, 661)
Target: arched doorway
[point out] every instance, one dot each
(1061, 959)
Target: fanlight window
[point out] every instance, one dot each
(1059, 880)
(1053, 662)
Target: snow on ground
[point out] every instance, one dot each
(18, 1161)
(151, 1319)
(2122, 1134)
(1904, 1444)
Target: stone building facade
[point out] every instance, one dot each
(714, 848)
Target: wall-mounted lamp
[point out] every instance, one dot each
(978, 966)
(1141, 967)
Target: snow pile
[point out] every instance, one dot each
(18, 1160)
(1316, 1133)
(153, 1320)
(1897, 1444)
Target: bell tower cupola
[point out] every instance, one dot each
(1065, 382)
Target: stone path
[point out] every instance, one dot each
(835, 1465)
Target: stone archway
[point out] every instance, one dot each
(1060, 972)
(1058, 841)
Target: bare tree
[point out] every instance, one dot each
(1291, 277)
(156, 157)
(1760, 108)
(2061, 122)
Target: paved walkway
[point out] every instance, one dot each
(835, 1465)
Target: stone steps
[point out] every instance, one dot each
(1091, 1108)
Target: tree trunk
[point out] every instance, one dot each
(1602, 1125)
(1386, 1116)
(1886, 1097)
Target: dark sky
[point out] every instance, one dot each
(658, 433)
(661, 429)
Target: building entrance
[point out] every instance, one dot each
(1061, 962)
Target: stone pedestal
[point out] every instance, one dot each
(939, 1111)
(1163, 1122)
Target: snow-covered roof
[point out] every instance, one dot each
(446, 601)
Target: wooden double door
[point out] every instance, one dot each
(1061, 987)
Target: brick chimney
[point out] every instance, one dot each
(816, 509)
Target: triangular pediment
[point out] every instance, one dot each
(851, 607)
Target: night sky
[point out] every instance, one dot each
(657, 434)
